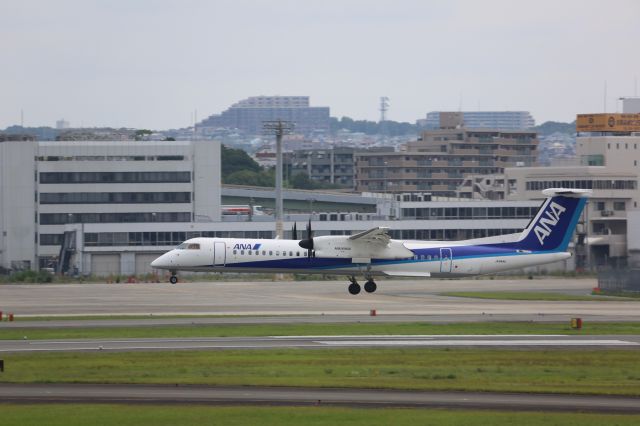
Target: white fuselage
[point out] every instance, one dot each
(340, 256)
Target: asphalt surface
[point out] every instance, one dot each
(159, 394)
(319, 342)
(393, 300)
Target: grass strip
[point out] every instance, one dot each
(532, 295)
(615, 372)
(315, 329)
(135, 415)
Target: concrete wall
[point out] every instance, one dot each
(17, 205)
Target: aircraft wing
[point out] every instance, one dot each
(378, 235)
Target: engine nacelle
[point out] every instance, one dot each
(340, 246)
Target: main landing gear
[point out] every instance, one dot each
(173, 279)
(354, 288)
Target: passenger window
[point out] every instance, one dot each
(298, 253)
(428, 257)
(242, 252)
(257, 252)
(291, 253)
(270, 253)
(435, 257)
(235, 252)
(422, 256)
(277, 252)
(249, 252)
(264, 252)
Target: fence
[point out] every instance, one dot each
(619, 280)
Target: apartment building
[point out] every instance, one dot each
(440, 159)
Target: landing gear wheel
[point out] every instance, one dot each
(370, 286)
(173, 279)
(354, 288)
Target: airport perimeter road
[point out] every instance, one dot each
(399, 297)
(319, 342)
(313, 396)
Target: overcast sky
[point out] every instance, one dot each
(150, 64)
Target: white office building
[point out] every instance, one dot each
(48, 187)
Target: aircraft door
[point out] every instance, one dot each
(445, 260)
(219, 254)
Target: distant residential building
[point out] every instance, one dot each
(97, 134)
(249, 114)
(504, 120)
(438, 162)
(325, 165)
(62, 124)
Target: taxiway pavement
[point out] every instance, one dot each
(320, 342)
(394, 299)
(172, 394)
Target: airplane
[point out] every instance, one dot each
(373, 253)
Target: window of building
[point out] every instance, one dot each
(115, 177)
(114, 197)
(618, 205)
(600, 205)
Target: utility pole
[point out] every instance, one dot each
(278, 128)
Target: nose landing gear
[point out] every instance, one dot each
(173, 279)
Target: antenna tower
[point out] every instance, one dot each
(384, 107)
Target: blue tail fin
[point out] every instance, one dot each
(555, 222)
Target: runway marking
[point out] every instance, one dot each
(477, 343)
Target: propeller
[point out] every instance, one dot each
(294, 232)
(308, 242)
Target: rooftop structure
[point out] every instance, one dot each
(507, 120)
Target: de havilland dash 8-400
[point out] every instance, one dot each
(373, 253)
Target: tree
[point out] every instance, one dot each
(235, 160)
(302, 181)
(141, 134)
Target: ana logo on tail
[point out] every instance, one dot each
(548, 220)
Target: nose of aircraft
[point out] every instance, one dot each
(161, 262)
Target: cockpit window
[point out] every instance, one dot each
(188, 246)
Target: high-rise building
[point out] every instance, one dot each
(249, 114)
(504, 120)
(62, 124)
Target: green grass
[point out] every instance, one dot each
(160, 415)
(531, 295)
(615, 372)
(244, 330)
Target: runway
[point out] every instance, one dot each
(302, 299)
(165, 394)
(321, 342)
